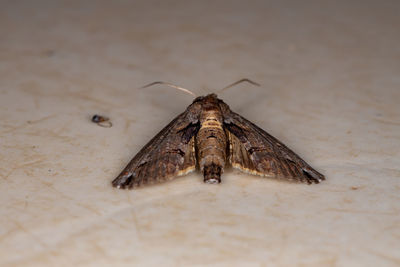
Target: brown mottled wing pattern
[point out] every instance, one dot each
(254, 151)
(170, 153)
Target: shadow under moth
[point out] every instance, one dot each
(208, 136)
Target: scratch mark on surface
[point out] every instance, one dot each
(89, 208)
(51, 187)
(386, 257)
(392, 229)
(284, 241)
(80, 95)
(354, 188)
(128, 124)
(40, 120)
(13, 128)
(20, 166)
(388, 122)
(134, 219)
(34, 237)
(363, 211)
(5, 176)
(8, 233)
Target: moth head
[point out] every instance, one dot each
(210, 101)
(206, 98)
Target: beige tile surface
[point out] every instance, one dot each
(330, 76)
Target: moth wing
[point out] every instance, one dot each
(254, 151)
(169, 154)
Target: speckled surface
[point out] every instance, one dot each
(330, 91)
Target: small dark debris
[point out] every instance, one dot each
(98, 118)
(102, 121)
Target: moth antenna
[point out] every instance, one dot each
(236, 83)
(171, 85)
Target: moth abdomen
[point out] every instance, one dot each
(212, 173)
(211, 143)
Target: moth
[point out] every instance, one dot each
(209, 136)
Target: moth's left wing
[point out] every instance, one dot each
(170, 153)
(254, 151)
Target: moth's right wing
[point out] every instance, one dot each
(170, 153)
(254, 151)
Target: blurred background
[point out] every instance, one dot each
(329, 75)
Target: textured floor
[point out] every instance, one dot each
(330, 76)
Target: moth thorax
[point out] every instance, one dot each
(211, 122)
